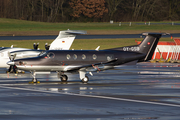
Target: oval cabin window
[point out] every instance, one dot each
(83, 57)
(94, 57)
(68, 56)
(75, 56)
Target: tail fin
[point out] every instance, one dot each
(148, 45)
(65, 39)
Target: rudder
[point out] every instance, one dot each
(65, 39)
(148, 45)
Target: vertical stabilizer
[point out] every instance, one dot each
(65, 39)
(148, 45)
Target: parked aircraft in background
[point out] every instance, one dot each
(62, 42)
(4, 55)
(87, 61)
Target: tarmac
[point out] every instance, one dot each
(142, 91)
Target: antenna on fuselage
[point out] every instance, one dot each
(97, 48)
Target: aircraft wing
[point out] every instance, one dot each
(90, 67)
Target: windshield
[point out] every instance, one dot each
(2, 48)
(42, 53)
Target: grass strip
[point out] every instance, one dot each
(85, 44)
(22, 27)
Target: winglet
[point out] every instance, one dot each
(148, 45)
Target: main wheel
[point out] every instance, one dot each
(64, 78)
(85, 80)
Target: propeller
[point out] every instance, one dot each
(12, 68)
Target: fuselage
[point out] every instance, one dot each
(64, 60)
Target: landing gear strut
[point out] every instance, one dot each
(34, 80)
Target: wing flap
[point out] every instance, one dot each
(89, 66)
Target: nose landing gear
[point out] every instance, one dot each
(34, 80)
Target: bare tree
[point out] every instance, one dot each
(90, 10)
(112, 7)
(42, 8)
(173, 6)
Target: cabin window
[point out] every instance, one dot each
(68, 56)
(83, 57)
(50, 55)
(94, 57)
(75, 56)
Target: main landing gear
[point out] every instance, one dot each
(83, 77)
(63, 77)
(82, 74)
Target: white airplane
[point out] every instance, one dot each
(62, 42)
(4, 55)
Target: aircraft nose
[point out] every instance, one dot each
(10, 63)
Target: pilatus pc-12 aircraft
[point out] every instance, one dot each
(87, 61)
(63, 42)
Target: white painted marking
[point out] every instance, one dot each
(93, 96)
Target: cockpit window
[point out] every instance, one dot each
(42, 53)
(2, 48)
